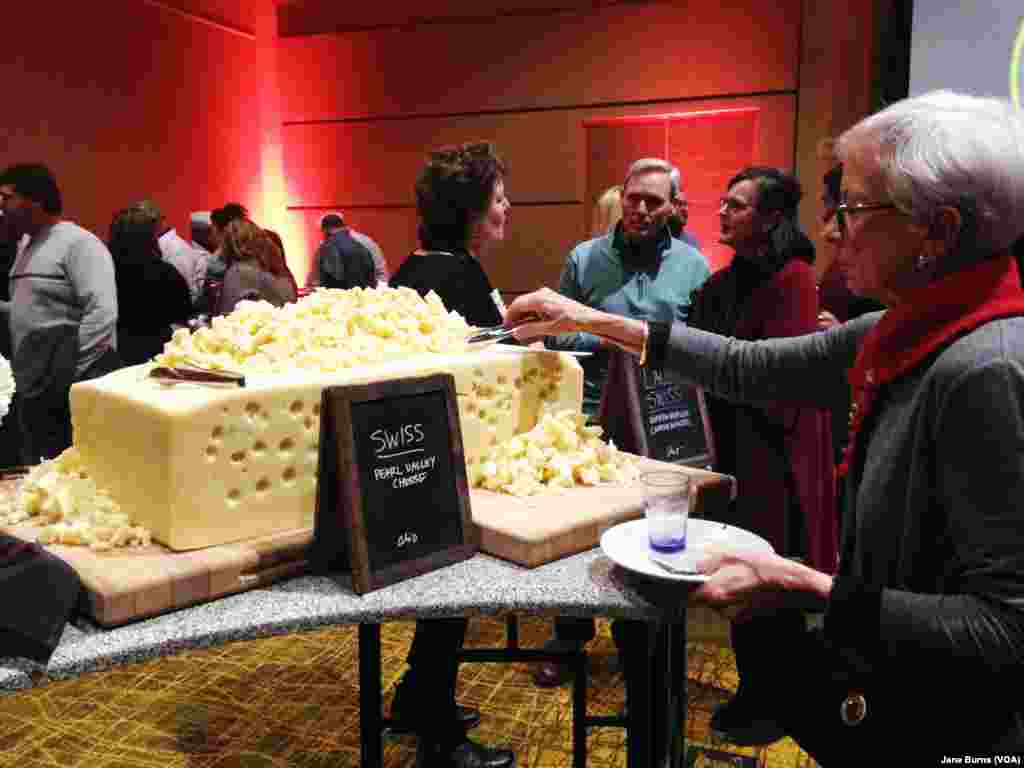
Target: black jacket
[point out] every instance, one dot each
(345, 263)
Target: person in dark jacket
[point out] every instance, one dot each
(460, 197)
(152, 295)
(342, 261)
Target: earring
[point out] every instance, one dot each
(924, 262)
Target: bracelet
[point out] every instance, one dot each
(643, 346)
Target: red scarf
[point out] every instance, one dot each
(929, 318)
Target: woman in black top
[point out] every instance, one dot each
(152, 295)
(460, 199)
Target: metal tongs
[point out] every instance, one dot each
(191, 374)
(484, 337)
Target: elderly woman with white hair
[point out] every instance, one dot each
(921, 650)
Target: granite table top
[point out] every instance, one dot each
(587, 584)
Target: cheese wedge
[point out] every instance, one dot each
(200, 466)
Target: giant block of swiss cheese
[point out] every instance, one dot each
(201, 466)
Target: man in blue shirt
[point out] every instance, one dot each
(638, 270)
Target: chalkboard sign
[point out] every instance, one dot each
(392, 496)
(654, 413)
(675, 419)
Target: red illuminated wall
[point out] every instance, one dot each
(141, 98)
(363, 105)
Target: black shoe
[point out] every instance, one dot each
(467, 718)
(551, 674)
(467, 754)
(739, 722)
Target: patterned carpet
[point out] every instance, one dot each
(292, 702)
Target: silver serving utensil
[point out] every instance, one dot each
(190, 374)
(487, 336)
(673, 565)
(490, 335)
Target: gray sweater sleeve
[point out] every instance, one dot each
(90, 270)
(807, 370)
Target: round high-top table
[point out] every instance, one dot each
(587, 584)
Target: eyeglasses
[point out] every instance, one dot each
(846, 209)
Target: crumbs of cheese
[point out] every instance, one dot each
(60, 496)
(560, 452)
(329, 330)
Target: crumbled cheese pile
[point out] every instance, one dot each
(6, 386)
(328, 330)
(560, 452)
(60, 496)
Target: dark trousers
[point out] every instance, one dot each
(10, 436)
(426, 693)
(574, 632)
(45, 424)
(46, 413)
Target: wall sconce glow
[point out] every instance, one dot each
(1017, 68)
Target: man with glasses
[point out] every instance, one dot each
(62, 308)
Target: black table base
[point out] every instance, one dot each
(655, 699)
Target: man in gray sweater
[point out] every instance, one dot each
(62, 310)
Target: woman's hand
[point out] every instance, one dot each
(826, 320)
(744, 584)
(558, 314)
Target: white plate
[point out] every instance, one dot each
(627, 544)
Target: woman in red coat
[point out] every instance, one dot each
(781, 456)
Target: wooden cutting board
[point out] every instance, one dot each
(129, 584)
(125, 585)
(534, 530)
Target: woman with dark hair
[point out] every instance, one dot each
(461, 203)
(152, 296)
(279, 260)
(780, 456)
(460, 197)
(256, 269)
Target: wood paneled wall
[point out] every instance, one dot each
(139, 98)
(839, 67)
(362, 107)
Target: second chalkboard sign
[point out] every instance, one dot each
(392, 499)
(654, 413)
(675, 419)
